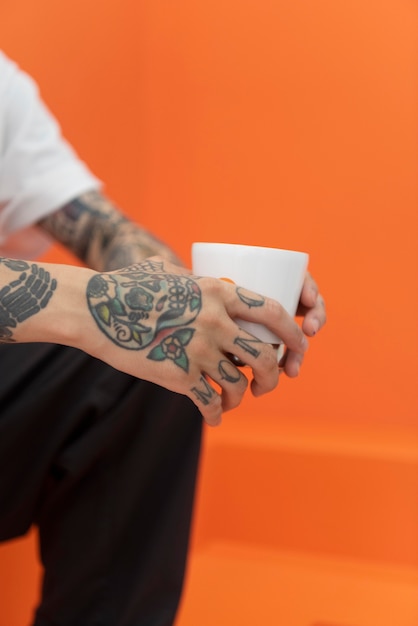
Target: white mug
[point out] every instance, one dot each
(273, 272)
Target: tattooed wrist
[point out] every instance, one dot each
(24, 296)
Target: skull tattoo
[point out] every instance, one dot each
(135, 305)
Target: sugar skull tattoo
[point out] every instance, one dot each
(139, 305)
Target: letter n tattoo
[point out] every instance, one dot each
(246, 344)
(204, 395)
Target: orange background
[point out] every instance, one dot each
(272, 122)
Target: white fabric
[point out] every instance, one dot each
(39, 171)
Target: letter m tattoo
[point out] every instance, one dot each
(204, 395)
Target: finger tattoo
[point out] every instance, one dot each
(248, 345)
(228, 371)
(206, 394)
(250, 301)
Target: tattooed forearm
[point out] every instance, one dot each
(23, 296)
(101, 236)
(141, 304)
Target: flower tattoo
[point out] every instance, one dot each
(172, 347)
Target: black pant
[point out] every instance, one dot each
(105, 465)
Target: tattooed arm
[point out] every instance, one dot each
(152, 320)
(101, 236)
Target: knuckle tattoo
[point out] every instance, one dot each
(250, 345)
(250, 299)
(228, 371)
(204, 393)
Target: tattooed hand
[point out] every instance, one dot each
(142, 306)
(178, 331)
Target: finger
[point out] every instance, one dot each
(309, 293)
(291, 364)
(232, 382)
(252, 307)
(311, 307)
(261, 357)
(315, 318)
(265, 373)
(207, 400)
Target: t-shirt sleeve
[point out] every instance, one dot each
(39, 171)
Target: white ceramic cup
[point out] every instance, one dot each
(271, 272)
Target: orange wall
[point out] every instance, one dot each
(272, 122)
(280, 123)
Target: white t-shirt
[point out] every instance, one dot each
(39, 171)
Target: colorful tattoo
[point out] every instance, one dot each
(24, 296)
(136, 305)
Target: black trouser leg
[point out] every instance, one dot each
(109, 466)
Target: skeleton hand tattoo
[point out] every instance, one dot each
(23, 297)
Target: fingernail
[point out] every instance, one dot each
(315, 326)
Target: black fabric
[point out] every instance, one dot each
(105, 465)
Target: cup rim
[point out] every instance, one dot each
(249, 246)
